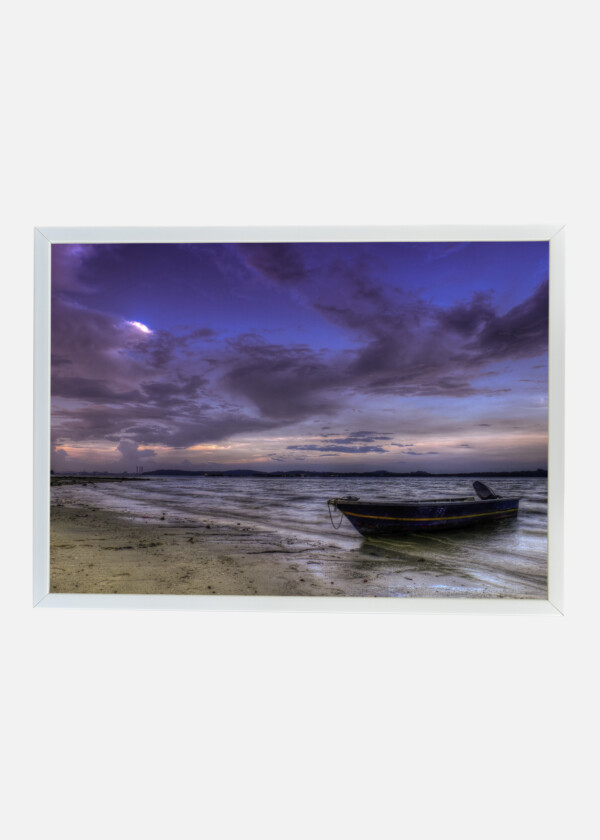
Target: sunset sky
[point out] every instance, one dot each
(350, 356)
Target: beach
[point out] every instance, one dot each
(100, 551)
(166, 537)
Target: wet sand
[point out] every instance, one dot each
(98, 551)
(93, 550)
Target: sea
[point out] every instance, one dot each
(502, 559)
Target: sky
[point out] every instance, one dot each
(300, 356)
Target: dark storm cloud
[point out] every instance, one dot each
(143, 432)
(135, 386)
(69, 266)
(356, 437)
(150, 400)
(203, 333)
(353, 439)
(110, 361)
(283, 382)
(57, 361)
(96, 347)
(367, 434)
(162, 349)
(88, 423)
(522, 332)
(467, 318)
(407, 346)
(334, 448)
(172, 393)
(278, 261)
(213, 429)
(404, 348)
(130, 450)
(60, 459)
(412, 349)
(152, 426)
(361, 442)
(80, 388)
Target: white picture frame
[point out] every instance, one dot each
(45, 237)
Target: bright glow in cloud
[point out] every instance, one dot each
(142, 327)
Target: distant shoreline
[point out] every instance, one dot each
(89, 478)
(60, 478)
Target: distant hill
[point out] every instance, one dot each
(373, 474)
(305, 474)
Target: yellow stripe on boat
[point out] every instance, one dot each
(427, 518)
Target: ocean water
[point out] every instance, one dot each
(495, 559)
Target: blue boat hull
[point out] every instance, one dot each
(380, 518)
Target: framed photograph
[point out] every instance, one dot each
(352, 419)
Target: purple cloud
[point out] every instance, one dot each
(333, 448)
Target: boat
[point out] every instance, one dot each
(382, 518)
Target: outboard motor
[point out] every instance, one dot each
(484, 492)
